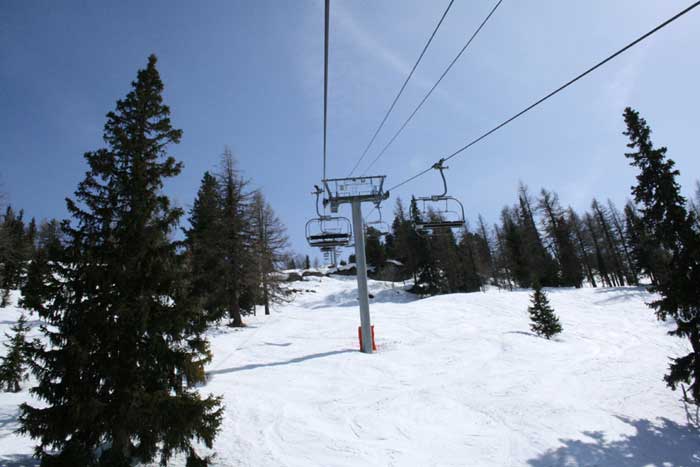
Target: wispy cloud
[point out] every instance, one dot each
(620, 88)
(363, 39)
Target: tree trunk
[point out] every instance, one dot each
(266, 298)
(234, 310)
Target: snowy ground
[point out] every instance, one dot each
(458, 381)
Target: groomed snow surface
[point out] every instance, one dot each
(458, 381)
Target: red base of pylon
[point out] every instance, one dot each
(359, 336)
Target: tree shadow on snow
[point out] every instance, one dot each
(349, 298)
(662, 443)
(623, 294)
(254, 366)
(9, 422)
(524, 333)
(18, 460)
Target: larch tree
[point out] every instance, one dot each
(559, 232)
(125, 345)
(620, 234)
(582, 245)
(599, 254)
(270, 246)
(611, 243)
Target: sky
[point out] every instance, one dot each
(249, 75)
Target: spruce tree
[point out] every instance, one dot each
(541, 266)
(666, 220)
(126, 344)
(376, 255)
(544, 322)
(13, 366)
(15, 252)
(236, 236)
(406, 240)
(205, 248)
(502, 264)
(515, 252)
(484, 252)
(468, 252)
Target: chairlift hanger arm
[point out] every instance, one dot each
(441, 167)
(318, 192)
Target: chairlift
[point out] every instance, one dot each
(327, 232)
(439, 214)
(379, 225)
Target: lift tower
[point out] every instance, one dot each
(355, 191)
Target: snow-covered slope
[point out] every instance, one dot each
(458, 381)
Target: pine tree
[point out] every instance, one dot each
(13, 366)
(126, 345)
(544, 320)
(665, 218)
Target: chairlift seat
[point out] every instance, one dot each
(440, 224)
(328, 232)
(330, 236)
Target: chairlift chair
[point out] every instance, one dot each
(379, 225)
(327, 232)
(439, 214)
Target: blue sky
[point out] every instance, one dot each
(248, 74)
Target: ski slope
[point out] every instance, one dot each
(458, 381)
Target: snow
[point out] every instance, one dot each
(458, 380)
